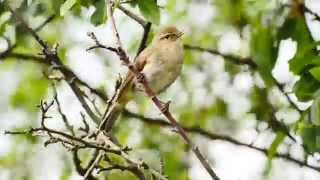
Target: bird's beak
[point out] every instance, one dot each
(179, 34)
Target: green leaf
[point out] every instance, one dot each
(315, 72)
(295, 28)
(306, 87)
(260, 104)
(315, 111)
(309, 130)
(150, 10)
(4, 18)
(275, 144)
(273, 149)
(55, 5)
(304, 59)
(100, 14)
(68, 4)
(264, 54)
(85, 3)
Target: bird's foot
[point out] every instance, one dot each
(141, 78)
(165, 106)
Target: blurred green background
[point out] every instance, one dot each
(254, 79)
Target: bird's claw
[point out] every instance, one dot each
(165, 106)
(141, 77)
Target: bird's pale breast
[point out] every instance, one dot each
(164, 66)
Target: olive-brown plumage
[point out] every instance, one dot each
(160, 62)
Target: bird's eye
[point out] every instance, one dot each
(166, 36)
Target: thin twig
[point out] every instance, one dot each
(134, 170)
(282, 89)
(78, 167)
(51, 55)
(82, 143)
(67, 71)
(144, 38)
(304, 8)
(135, 17)
(12, 46)
(63, 116)
(243, 61)
(230, 58)
(44, 23)
(26, 57)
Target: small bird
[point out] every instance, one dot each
(161, 64)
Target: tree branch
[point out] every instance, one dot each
(76, 161)
(44, 23)
(11, 47)
(214, 136)
(230, 58)
(135, 17)
(159, 104)
(144, 38)
(146, 26)
(305, 9)
(243, 61)
(134, 170)
(52, 57)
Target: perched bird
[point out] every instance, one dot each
(161, 64)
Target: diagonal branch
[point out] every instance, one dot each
(52, 57)
(135, 17)
(159, 104)
(305, 9)
(12, 46)
(214, 136)
(144, 39)
(145, 24)
(44, 23)
(78, 167)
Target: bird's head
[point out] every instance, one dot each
(168, 34)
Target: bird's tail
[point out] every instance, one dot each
(123, 97)
(112, 115)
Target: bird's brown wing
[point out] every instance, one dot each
(127, 84)
(125, 93)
